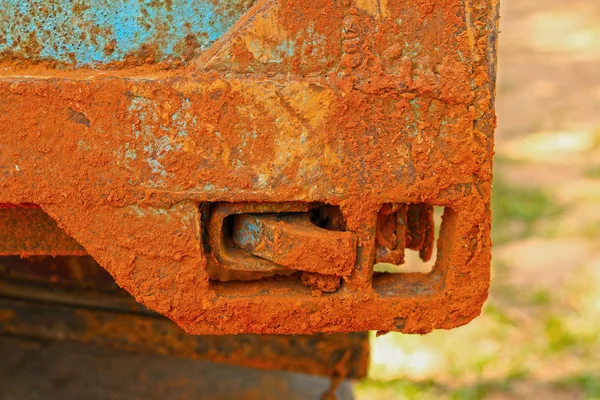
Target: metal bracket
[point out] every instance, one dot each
(362, 106)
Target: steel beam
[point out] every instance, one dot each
(353, 104)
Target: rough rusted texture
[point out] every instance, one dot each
(390, 237)
(229, 255)
(79, 306)
(320, 282)
(293, 241)
(27, 231)
(352, 104)
(420, 229)
(109, 34)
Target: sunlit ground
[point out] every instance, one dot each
(539, 334)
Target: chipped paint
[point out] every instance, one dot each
(92, 32)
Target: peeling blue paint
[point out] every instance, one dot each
(131, 154)
(155, 137)
(286, 48)
(99, 31)
(157, 167)
(251, 235)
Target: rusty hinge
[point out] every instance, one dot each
(293, 241)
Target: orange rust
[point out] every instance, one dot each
(320, 282)
(293, 241)
(390, 236)
(333, 102)
(420, 229)
(26, 230)
(74, 299)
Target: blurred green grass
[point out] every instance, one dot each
(593, 172)
(516, 210)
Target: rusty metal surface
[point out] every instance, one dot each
(87, 310)
(353, 104)
(336, 354)
(29, 231)
(220, 240)
(420, 229)
(292, 240)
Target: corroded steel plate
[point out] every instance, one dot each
(72, 299)
(128, 123)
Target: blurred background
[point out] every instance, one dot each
(539, 333)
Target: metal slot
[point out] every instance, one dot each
(305, 242)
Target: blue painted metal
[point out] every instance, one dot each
(91, 32)
(293, 241)
(249, 233)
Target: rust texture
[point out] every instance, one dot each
(105, 34)
(292, 240)
(349, 104)
(76, 300)
(420, 229)
(26, 230)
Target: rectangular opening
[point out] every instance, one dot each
(239, 241)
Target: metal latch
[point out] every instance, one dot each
(293, 241)
(252, 239)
